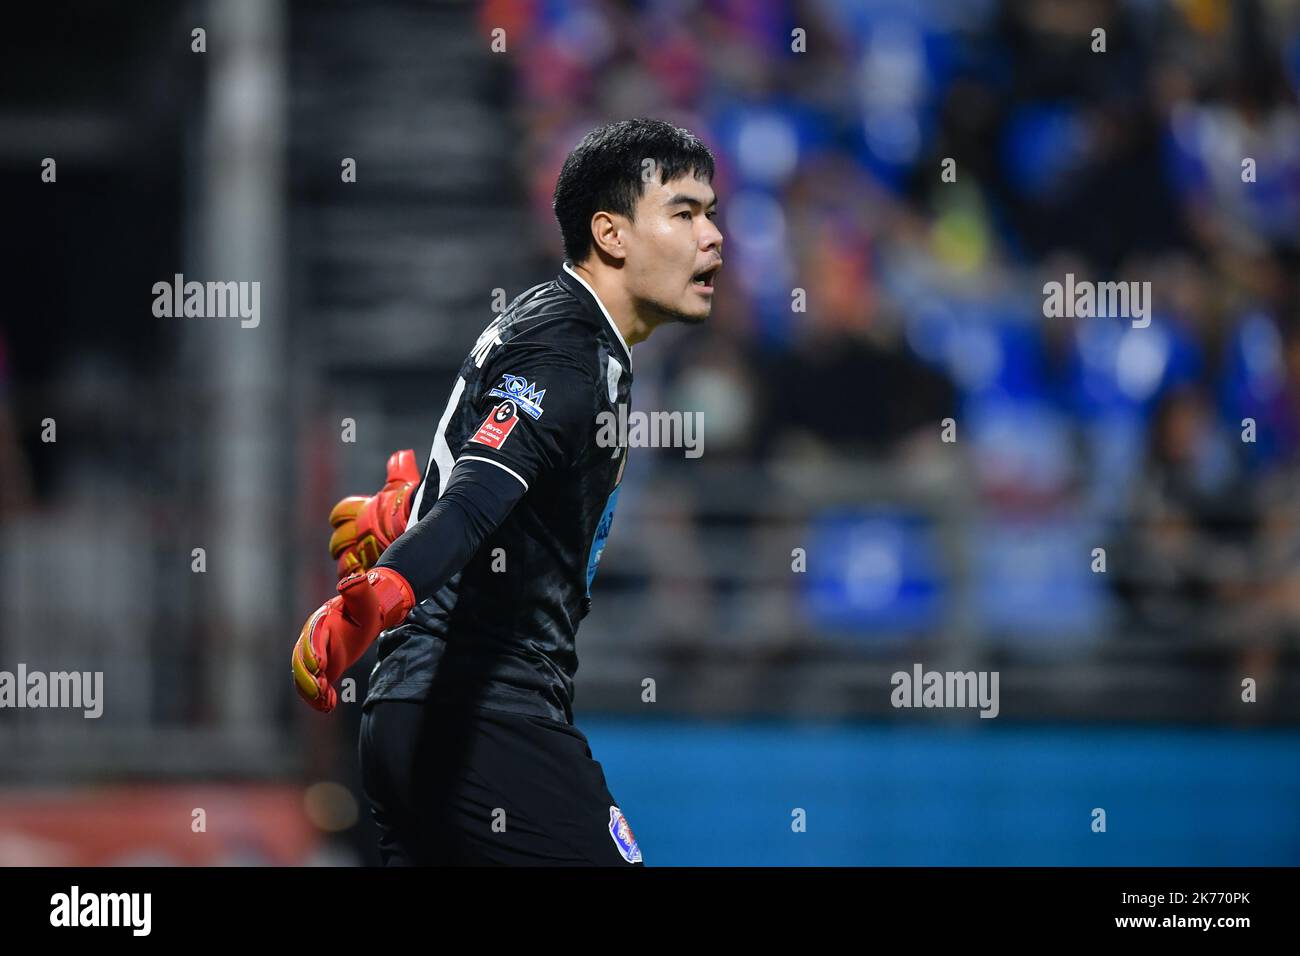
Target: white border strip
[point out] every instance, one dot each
(626, 348)
(491, 462)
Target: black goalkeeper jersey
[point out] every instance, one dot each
(529, 399)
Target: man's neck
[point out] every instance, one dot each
(633, 326)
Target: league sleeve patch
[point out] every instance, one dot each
(623, 838)
(496, 428)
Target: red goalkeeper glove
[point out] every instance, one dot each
(340, 630)
(364, 527)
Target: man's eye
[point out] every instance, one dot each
(712, 215)
(685, 213)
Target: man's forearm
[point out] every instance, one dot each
(478, 498)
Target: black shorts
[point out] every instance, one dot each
(463, 786)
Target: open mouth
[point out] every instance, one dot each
(704, 280)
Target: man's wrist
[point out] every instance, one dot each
(393, 594)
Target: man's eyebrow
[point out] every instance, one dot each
(682, 197)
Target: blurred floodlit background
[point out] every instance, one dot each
(1119, 689)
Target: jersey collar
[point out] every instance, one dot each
(627, 350)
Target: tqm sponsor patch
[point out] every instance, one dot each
(496, 428)
(523, 392)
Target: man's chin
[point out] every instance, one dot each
(692, 318)
(685, 318)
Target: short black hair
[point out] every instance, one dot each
(603, 173)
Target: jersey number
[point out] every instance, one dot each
(490, 338)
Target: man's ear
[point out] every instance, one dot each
(607, 234)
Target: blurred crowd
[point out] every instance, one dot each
(1118, 155)
(879, 384)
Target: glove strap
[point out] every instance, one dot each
(393, 594)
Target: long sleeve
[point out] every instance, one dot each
(478, 498)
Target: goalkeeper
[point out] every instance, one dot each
(468, 750)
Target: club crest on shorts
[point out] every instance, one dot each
(497, 426)
(622, 834)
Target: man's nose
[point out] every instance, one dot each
(712, 238)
